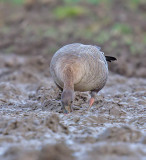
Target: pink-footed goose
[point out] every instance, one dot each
(79, 67)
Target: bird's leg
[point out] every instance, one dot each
(92, 99)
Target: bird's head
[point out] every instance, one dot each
(67, 98)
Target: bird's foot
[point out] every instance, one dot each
(91, 101)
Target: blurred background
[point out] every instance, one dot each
(40, 27)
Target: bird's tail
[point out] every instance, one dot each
(109, 58)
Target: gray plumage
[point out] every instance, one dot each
(88, 65)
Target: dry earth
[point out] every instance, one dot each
(33, 127)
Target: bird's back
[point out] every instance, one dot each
(87, 62)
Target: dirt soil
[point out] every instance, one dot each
(33, 127)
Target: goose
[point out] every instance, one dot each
(79, 67)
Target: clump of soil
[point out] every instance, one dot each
(113, 151)
(56, 152)
(47, 152)
(122, 134)
(17, 153)
(54, 124)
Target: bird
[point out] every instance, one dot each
(79, 67)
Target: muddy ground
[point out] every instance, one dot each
(33, 127)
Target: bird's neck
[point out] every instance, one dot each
(68, 85)
(68, 80)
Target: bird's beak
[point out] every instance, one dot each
(67, 109)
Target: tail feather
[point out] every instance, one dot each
(109, 58)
